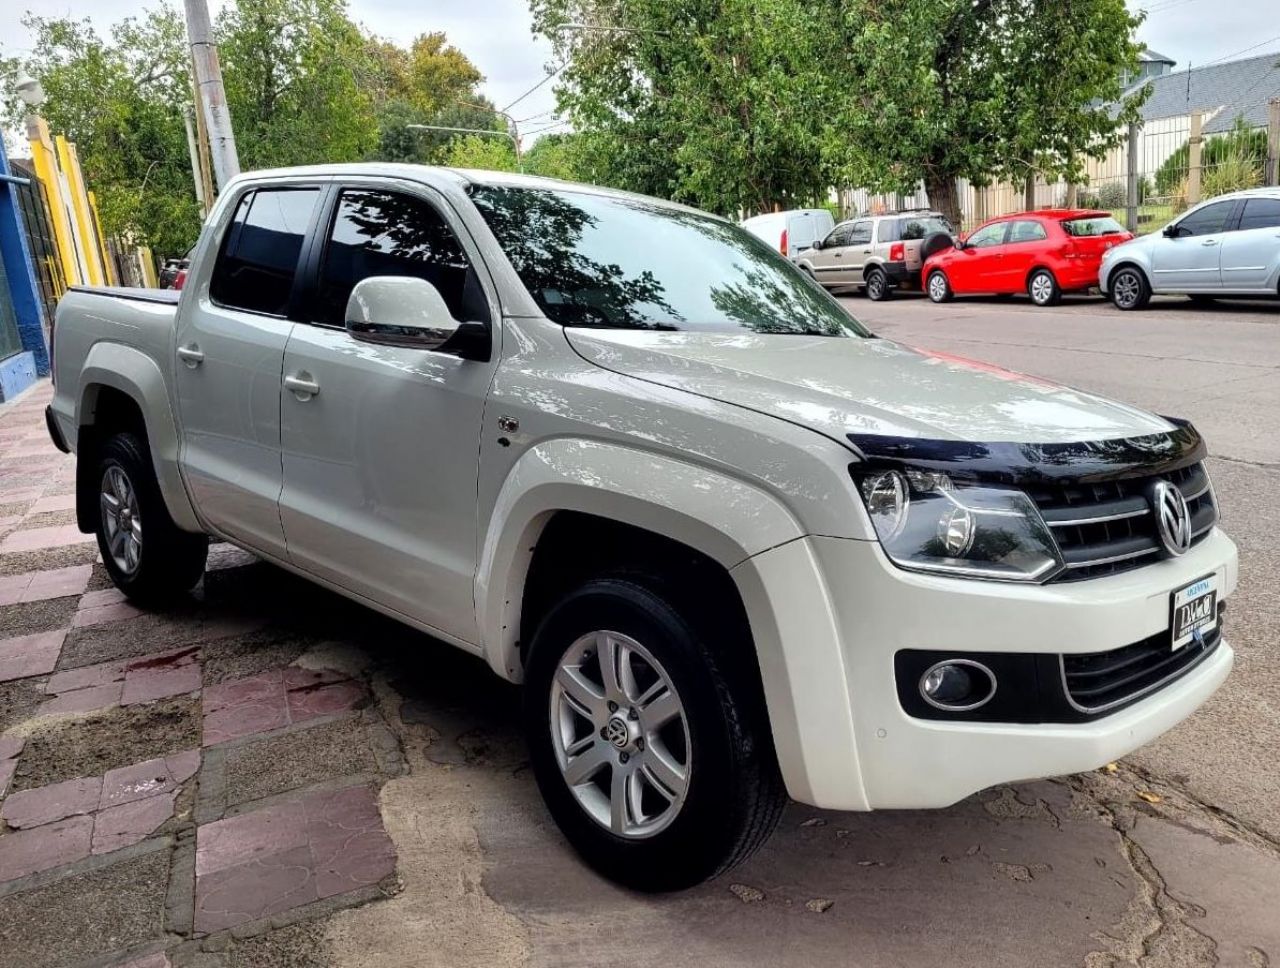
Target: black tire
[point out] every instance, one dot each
(940, 290)
(934, 243)
(877, 285)
(1129, 288)
(734, 795)
(1043, 288)
(167, 561)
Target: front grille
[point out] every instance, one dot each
(1107, 528)
(1099, 681)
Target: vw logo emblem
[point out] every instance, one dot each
(1173, 520)
(616, 732)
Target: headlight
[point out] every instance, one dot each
(927, 522)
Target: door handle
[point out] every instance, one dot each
(1209, 242)
(866, 251)
(301, 387)
(839, 255)
(191, 355)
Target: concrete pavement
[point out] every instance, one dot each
(300, 706)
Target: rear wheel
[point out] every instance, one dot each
(1043, 288)
(1129, 289)
(643, 744)
(938, 286)
(148, 557)
(877, 285)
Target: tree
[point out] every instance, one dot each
(714, 102)
(556, 156)
(481, 151)
(975, 89)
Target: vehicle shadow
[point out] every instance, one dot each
(1019, 875)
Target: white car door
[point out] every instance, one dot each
(232, 329)
(1251, 254)
(381, 444)
(1188, 257)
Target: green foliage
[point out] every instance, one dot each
(1233, 173)
(1241, 142)
(556, 156)
(481, 151)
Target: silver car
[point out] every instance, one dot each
(1227, 246)
(877, 253)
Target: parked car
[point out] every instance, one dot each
(793, 231)
(1227, 246)
(876, 253)
(173, 274)
(733, 546)
(1043, 254)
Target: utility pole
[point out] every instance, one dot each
(1131, 180)
(212, 95)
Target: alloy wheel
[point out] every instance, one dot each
(620, 734)
(1042, 289)
(121, 523)
(875, 286)
(937, 287)
(1126, 289)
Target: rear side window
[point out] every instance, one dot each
(861, 234)
(259, 255)
(1260, 213)
(1084, 228)
(1025, 230)
(389, 234)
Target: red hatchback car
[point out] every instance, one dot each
(1043, 254)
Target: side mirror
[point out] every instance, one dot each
(961, 244)
(1170, 232)
(399, 311)
(817, 244)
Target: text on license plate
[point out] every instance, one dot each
(1194, 609)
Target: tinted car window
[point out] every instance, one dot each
(1026, 231)
(629, 263)
(1206, 221)
(988, 236)
(887, 230)
(389, 234)
(1260, 213)
(919, 227)
(259, 255)
(861, 233)
(1092, 226)
(839, 235)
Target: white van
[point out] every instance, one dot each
(792, 231)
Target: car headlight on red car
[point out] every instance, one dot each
(927, 522)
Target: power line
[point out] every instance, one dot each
(536, 86)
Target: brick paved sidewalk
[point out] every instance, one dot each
(170, 781)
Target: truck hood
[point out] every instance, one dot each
(840, 386)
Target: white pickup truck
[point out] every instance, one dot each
(734, 546)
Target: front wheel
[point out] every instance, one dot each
(877, 285)
(148, 557)
(1129, 289)
(1043, 288)
(938, 287)
(646, 750)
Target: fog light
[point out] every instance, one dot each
(958, 685)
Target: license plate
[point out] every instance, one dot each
(1194, 611)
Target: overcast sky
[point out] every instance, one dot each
(495, 34)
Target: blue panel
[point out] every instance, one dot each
(16, 374)
(22, 293)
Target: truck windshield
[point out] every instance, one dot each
(625, 263)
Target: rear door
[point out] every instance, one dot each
(381, 463)
(1251, 253)
(232, 331)
(856, 250)
(913, 230)
(1190, 259)
(1022, 249)
(805, 228)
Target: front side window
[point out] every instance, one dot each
(988, 236)
(1206, 221)
(839, 236)
(1026, 231)
(630, 263)
(259, 256)
(378, 233)
(1260, 213)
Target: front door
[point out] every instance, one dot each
(381, 461)
(828, 261)
(1190, 257)
(977, 267)
(233, 326)
(1251, 252)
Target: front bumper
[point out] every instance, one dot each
(850, 744)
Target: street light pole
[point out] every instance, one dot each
(501, 134)
(211, 94)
